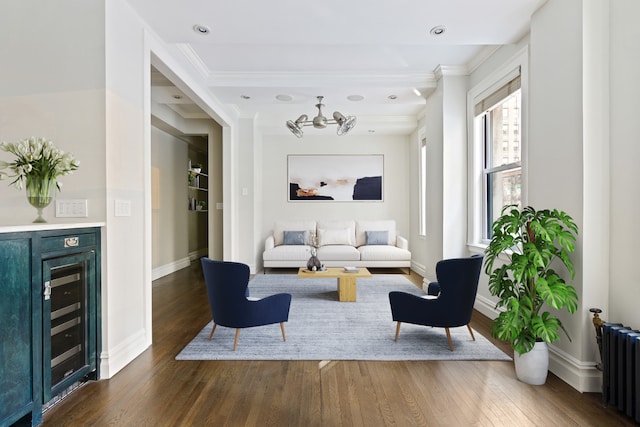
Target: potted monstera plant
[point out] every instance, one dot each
(526, 247)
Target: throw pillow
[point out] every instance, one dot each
(377, 237)
(298, 237)
(333, 237)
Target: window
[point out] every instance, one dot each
(422, 184)
(498, 122)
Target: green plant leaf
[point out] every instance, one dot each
(533, 239)
(546, 327)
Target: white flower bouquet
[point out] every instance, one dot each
(38, 160)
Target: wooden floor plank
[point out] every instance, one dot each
(157, 390)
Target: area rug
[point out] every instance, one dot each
(322, 328)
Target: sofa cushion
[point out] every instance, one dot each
(338, 253)
(338, 236)
(287, 253)
(376, 237)
(383, 225)
(348, 225)
(295, 237)
(383, 253)
(280, 227)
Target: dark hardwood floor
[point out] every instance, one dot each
(156, 390)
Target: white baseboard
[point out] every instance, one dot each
(113, 360)
(194, 256)
(166, 269)
(583, 376)
(485, 306)
(418, 268)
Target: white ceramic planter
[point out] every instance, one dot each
(532, 367)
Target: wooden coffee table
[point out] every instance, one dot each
(346, 280)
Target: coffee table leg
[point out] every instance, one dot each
(347, 289)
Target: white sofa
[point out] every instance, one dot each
(340, 243)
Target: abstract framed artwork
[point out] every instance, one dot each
(344, 178)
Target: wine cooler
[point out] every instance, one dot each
(69, 322)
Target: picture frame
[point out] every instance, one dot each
(335, 178)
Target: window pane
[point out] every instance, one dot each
(504, 145)
(503, 188)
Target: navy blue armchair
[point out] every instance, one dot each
(450, 300)
(229, 299)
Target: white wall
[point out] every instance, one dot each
(170, 221)
(245, 191)
(555, 153)
(275, 189)
(127, 255)
(454, 162)
(624, 283)
(54, 90)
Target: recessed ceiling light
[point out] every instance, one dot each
(438, 30)
(201, 29)
(392, 96)
(245, 97)
(284, 98)
(417, 92)
(355, 97)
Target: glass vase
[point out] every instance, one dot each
(313, 264)
(39, 194)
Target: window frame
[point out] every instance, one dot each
(477, 212)
(422, 183)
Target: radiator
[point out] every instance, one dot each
(621, 369)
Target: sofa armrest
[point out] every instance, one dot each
(269, 243)
(402, 243)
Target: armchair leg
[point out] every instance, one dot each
(397, 331)
(284, 337)
(212, 331)
(471, 332)
(235, 341)
(449, 339)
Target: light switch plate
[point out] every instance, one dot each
(71, 208)
(122, 208)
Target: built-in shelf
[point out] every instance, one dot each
(198, 184)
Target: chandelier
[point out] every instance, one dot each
(345, 124)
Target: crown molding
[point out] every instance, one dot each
(481, 57)
(194, 59)
(450, 70)
(305, 79)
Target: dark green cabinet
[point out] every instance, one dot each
(16, 314)
(49, 317)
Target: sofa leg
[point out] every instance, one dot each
(284, 337)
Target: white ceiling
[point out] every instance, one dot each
(376, 49)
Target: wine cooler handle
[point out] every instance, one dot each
(47, 290)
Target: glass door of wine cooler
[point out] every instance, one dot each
(69, 331)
